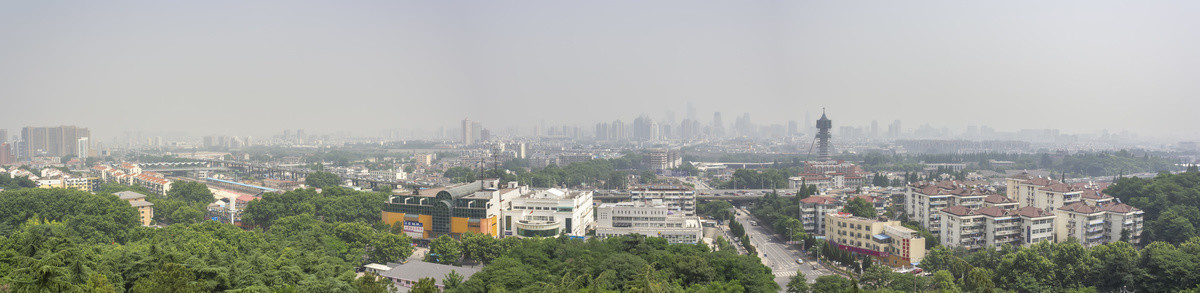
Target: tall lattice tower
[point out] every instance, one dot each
(823, 126)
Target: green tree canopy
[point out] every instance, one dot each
(860, 208)
(321, 179)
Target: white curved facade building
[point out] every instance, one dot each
(549, 213)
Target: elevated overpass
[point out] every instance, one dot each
(296, 174)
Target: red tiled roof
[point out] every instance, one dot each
(958, 210)
(1095, 194)
(246, 198)
(968, 192)
(1021, 176)
(998, 199)
(1118, 208)
(819, 200)
(1080, 207)
(930, 190)
(1058, 187)
(1041, 181)
(867, 198)
(994, 212)
(1032, 212)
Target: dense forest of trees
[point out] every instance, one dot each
(618, 264)
(1171, 203)
(332, 204)
(7, 182)
(61, 240)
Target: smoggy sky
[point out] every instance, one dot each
(258, 67)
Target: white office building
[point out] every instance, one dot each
(680, 199)
(549, 213)
(650, 218)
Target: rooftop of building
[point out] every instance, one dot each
(1032, 212)
(819, 200)
(242, 184)
(1055, 186)
(1080, 207)
(415, 270)
(867, 198)
(551, 193)
(1119, 208)
(656, 203)
(995, 212)
(1095, 195)
(128, 195)
(960, 211)
(141, 203)
(996, 198)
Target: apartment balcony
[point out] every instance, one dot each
(1095, 222)
(1007, 225)
(1007, 239)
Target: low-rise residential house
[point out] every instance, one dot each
(138, 201)
(405, 275)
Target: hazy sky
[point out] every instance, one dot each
(257, 67)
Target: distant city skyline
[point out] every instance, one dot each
(363, 68)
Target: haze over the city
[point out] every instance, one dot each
(256, 68)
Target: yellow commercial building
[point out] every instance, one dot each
(453, 210)
(889, 242)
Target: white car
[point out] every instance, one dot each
(800, 260)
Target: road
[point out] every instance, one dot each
(777, 255)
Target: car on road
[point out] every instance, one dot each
(800, 260)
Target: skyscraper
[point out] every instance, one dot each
(894, 129)
(6, 153)
(718, 126)
(823, 126)
(874, 128)
(83, 147)
(52, 141)
(467, 136)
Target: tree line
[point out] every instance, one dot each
(62, 240)
(1171, 203)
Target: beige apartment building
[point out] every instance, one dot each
(924, 200)
(1097, 225)
(992, 226)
